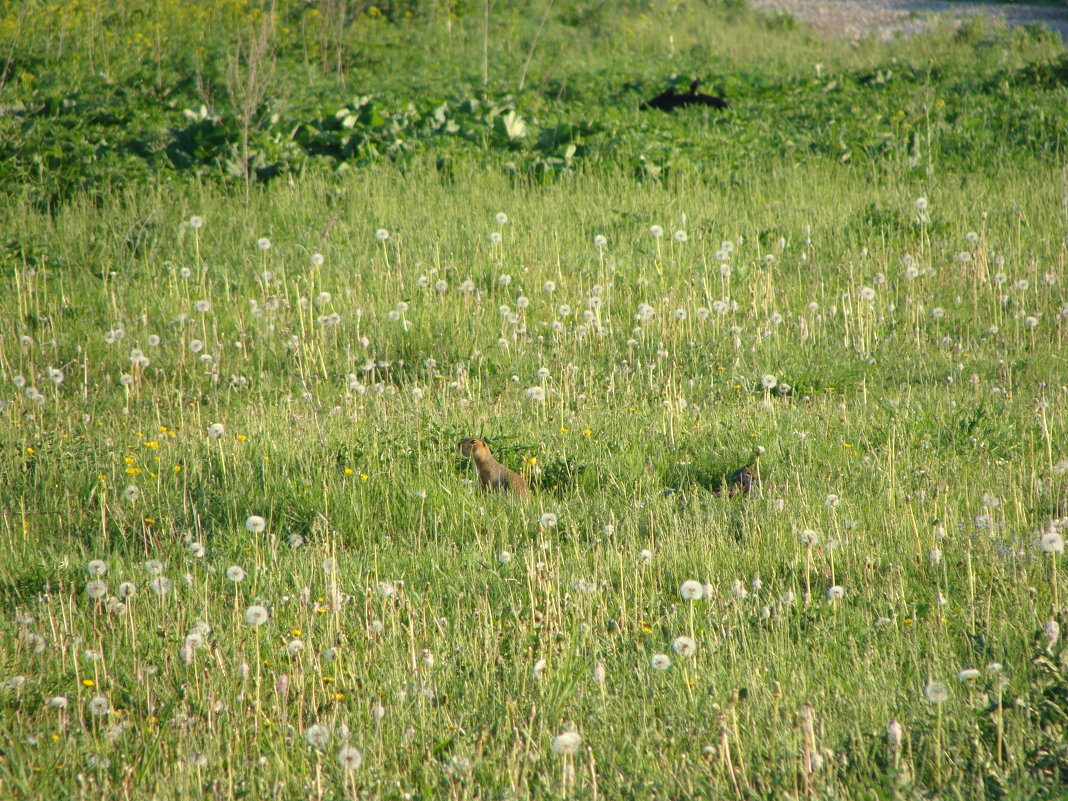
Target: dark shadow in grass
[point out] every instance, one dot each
(24, 589)
(558, 476)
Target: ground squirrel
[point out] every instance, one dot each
(492, 475)
(742, 480)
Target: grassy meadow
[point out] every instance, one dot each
(241, 555)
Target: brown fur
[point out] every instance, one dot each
(492, 475)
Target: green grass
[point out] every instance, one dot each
(925, 448)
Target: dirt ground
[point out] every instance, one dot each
(853, 19)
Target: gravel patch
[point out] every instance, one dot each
(854, 19)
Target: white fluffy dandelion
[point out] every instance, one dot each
(548, 520)
(256, 615)
(936, 692)
(349, 758)
(684, 646)
(161, 585)
(567, 743)
(235, 573)
(317, 735)
(660, 662)
(99, 705)
(97, 568)
(255, 524)
(1051, 542)
(691, 590)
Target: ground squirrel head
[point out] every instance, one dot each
(474, 447)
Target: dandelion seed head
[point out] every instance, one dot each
(255, 524)
(317, 735)
(936, 692)
(1051, 542)
(808, 538)
(684, 646)
(99, 705)
(161, 585)
(660, 662)
(566, 743)
(256, 615)
(691, 590)
(97, 568)
(235, 573)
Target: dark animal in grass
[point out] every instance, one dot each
(492, 475)
(669, 100)
(740, 481)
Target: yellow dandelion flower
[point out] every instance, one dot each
(88, 683)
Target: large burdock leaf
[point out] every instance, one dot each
(509, 126)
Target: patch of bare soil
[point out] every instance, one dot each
(854, 19)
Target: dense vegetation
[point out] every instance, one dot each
(262, 269)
